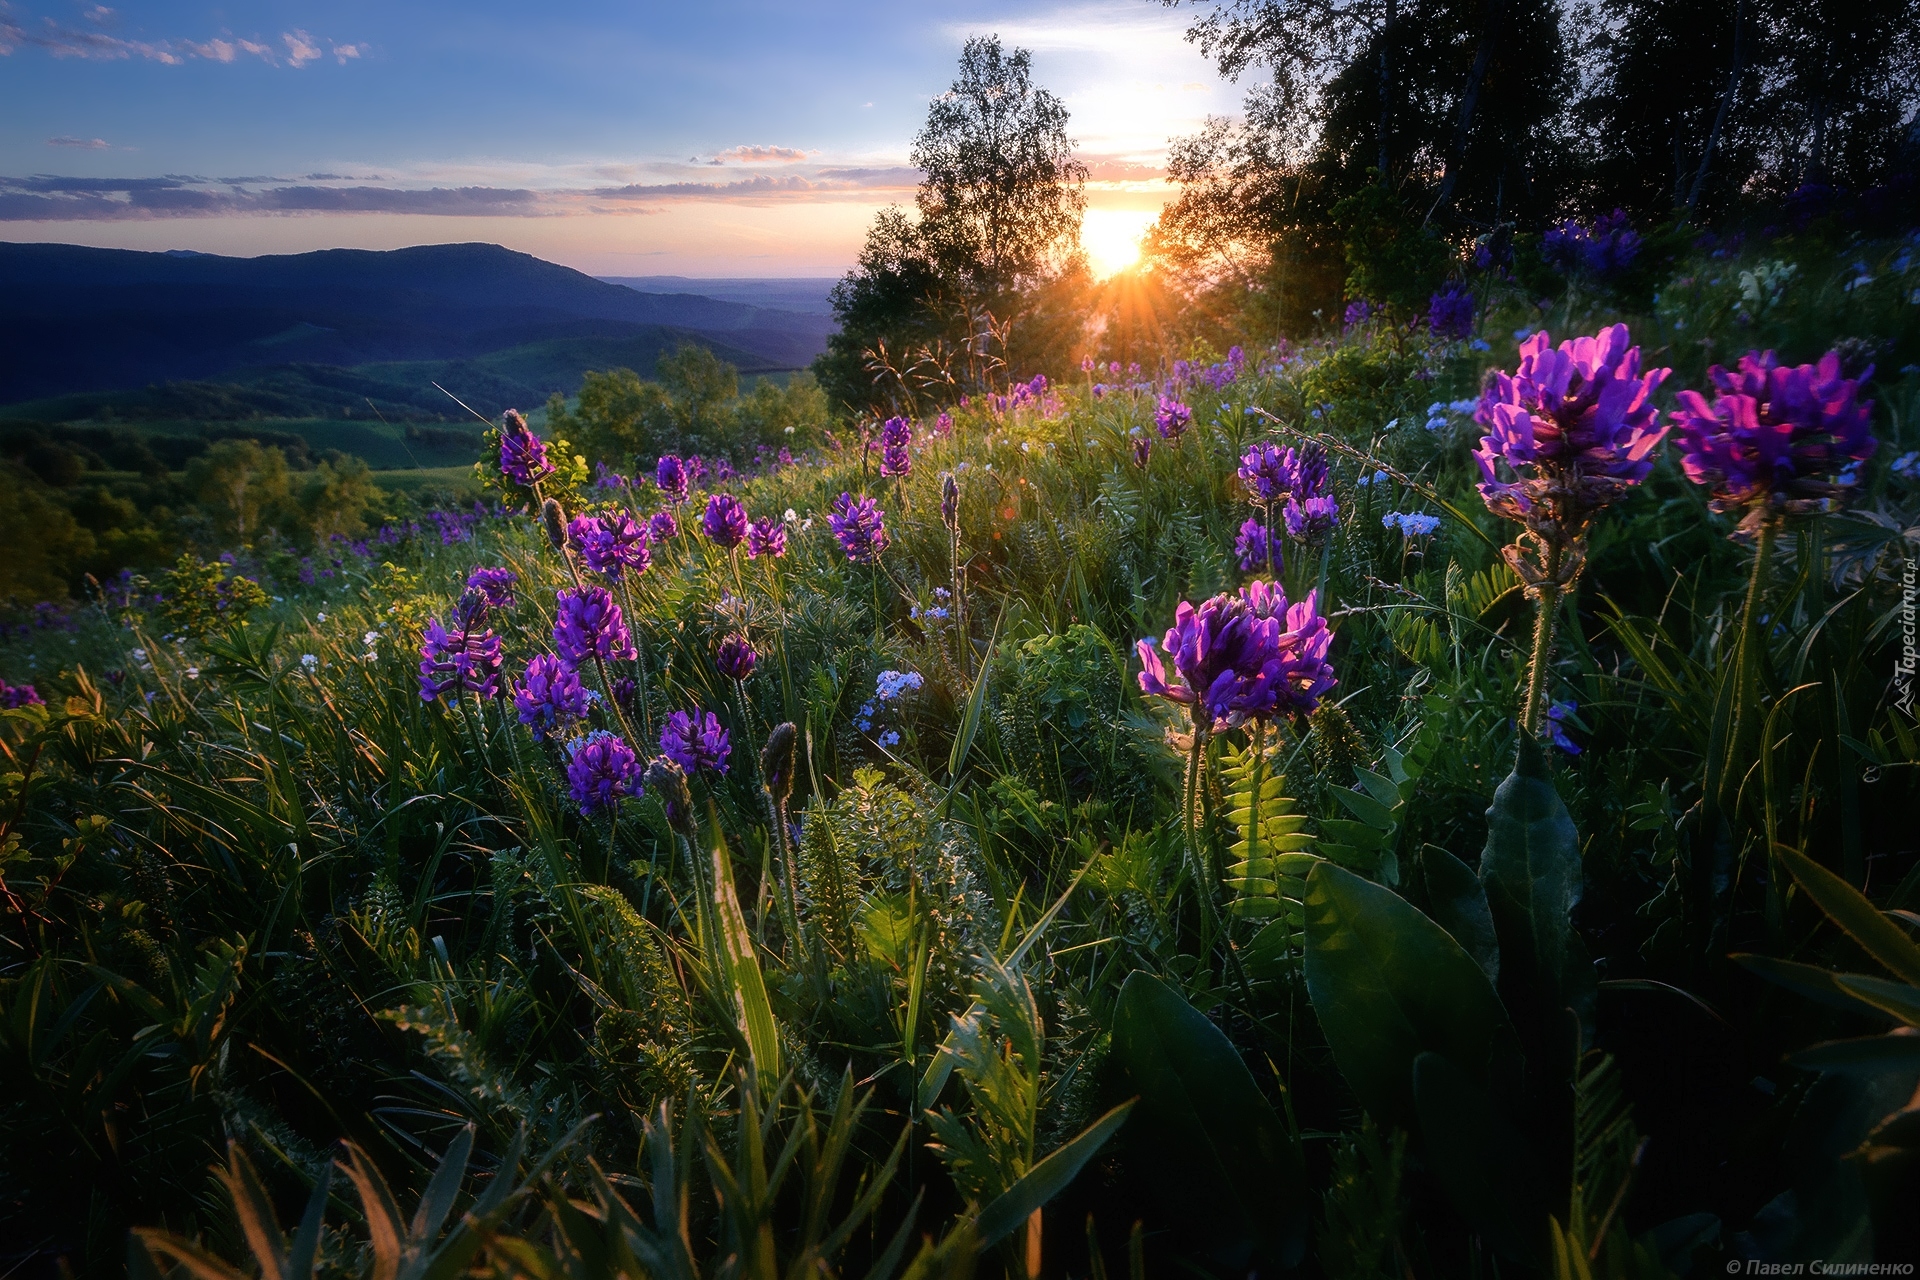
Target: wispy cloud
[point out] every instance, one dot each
(97, 42)
(760, 155)
(82, 144)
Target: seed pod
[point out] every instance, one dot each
(555, 521)
(950, 502)
(666, 779)
(776, 761)
(512, 421)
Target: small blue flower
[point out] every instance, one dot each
(1557, 715)
(891, 738)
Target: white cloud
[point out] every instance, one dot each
(750, 154)
(300, 48)
(345, 51)
(84, 144)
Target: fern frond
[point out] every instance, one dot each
(1273, 851)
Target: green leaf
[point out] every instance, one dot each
(1390, 984)
(1847, 907)
(1867, 1055)
(1530, 869)
(1047, 1179)
(743, 967)
(1366, 808)
(1810, 981)
(1457, 901)
(1896, 998)
(1241, 1187)
(1483, 1161)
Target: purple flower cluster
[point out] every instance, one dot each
(1171, 417)
(1258, 548)
(523, 455)
(695, 741)
(15, 696)
(725, 520)
(1142, 451)
(550, 695)
(1607, 248)
(736, 657)
(588, 625)
(1577, 422)
(1358, 312)
(1450, 314)
(464, 658)
(610, 544)
(671, 475)
(766, 537)
(1218, 376)
(601, 771)
(1312, 519)
(1777, 439)
(663, 527)
(494, 585)
(896, 458)
(1036, 393)
(860, 526)
(1268, 471)
(1241, 657)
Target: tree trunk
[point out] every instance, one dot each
(1469, 101)
(1719, 115)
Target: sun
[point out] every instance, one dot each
(1111, 238)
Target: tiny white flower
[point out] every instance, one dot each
(193, 673)
(791, 515)
(309, 661)
(321, 617)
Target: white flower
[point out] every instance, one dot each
(320, 617)
(193, 673)
(369, 638)
(791, 515)
(308, 661)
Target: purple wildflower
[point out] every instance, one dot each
(588, 625)
(1557, 716)
(523, 455)
(1257, 548)
(1358, 312)
(15, 696)
(943, 425)
(1267, 470)
(695, 741)
(1310, 521)
(550, 695)
(601, 771)
(663, 526)
(494, 585)
(671, 476)
(736, 657)
(1581, 416)
(1241, 657)
(1776, 439)
(1142, 451)
(610, 544)
(463, 659)
(767, 537)
(860, 526)
(896, 458)
(1608, 247)
(725, 520)
(697, 470)
(1171, 418)
(1450, 313)
(1308, 469)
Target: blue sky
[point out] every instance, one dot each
(640, 138)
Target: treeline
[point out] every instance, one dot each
(1387, 149)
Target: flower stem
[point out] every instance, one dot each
(1546, 610)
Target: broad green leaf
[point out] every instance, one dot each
(1365, 807)
(1847, 907)
(1812, 982)
(1483, 1161)
(1046, 1179)
(1390, 984)
(1896, 998)
(743, 967)
(1531, 871)
(1241, 1185)
(1458, 903)
(1867, 1055)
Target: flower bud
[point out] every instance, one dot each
(666, 779)
(776, 761)
(950, 502)
(554, 519)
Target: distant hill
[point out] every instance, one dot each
(796, 293)
(83, 320)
